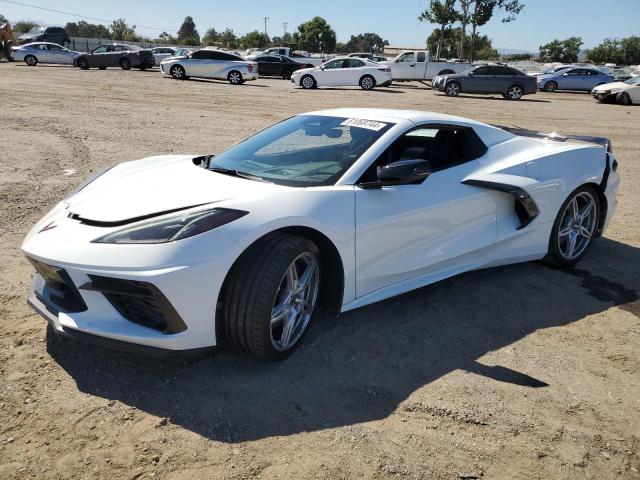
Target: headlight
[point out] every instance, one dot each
(175, 227)
(616, 90)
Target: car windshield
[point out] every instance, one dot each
(303, 151)
(35, 31)
(634, 81)
(133, 48)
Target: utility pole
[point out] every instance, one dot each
(284, 26)
(265, 27)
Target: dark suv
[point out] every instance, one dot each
(512, 84)
(46, 34)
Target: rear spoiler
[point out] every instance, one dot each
(522, 132)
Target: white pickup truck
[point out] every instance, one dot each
(287, 52)
(417, 65)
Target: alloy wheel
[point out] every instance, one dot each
(294, 303)
(366, 83)
(31, 61)
(177, 72)
(578, 225)
(515, 93)
(307, 82)
(235, 78)
(453, 89)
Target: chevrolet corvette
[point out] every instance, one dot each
(318, 214)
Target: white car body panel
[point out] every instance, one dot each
(45, 52)
(417, 65)
(632, 90)
(390, 240)
(214, 69)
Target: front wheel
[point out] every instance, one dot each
(31, 60)
(177, 72)
(83, 63)
(367, 82)
(270, 296)
(624, 99)
(575, 226)
(235, 78)
(125, 64)
(515, 92)
(308, 82)
(452, 89)
(550, 87)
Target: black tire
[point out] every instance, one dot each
(556, 254)
(102, 68)
(235, 78)
(142, 67)
(83, 63)
(624, 99)
(251, 291)
(307, 82)
(452, 89)
(550, 87)
(177, 72)
(286, 74)
(515, 92)
(31, 60)
(125, 63)
(367, 82)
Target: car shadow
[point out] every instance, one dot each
(355, 89)
(361, 366)
(225, 82)
(500, 98)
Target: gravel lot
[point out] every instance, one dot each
(516, 372)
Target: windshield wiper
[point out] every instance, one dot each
(237, 173)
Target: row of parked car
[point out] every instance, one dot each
(356, 69)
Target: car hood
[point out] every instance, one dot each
(611, 86)
(158, 184)
(302, 71)
(30, 36)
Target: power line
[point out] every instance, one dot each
(81, 16)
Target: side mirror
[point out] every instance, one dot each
(401, 172)
(565, 74)
(322, 67)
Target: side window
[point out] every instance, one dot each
(200, 54)
(442, 146)
(573, 72)
(55, 48)
(353, 63)
(421, 57)
(262, 59)
(43, 46)
(102, 49)
(334, 64)
(406, 57)
(482, 71)
(274, 59)
(503, 71)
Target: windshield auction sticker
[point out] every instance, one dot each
(361, 123)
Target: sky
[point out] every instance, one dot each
(395, 20)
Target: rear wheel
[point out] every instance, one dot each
(452, 89)
(308, 82)
(177, 72)
(270, 296)
(550, 87)
(624, 99)
(367, 82)
(235, 78)
(125, 63)
(102, 68)
(286, 75)
(83, 63)
(515, 92)
(31, 60)
(575, 226)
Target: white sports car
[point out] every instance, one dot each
(346, 71)
(624, 93)
(326, 211)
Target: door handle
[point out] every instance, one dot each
(412, 65)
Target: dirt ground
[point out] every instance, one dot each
(516, 372)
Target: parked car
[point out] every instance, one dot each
(41, 52)
(344, 71)
(419, 66)
(297, 56)
(160, 53)
(115, 55)
(183, 252)
(512, 84)
(370, 56)
(624, 93)
(56, 35)
(210, 64)
(579, 78)
(278, 65)
(555, 70)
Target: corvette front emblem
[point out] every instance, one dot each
(48, 226)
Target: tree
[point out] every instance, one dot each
(451, 43)
(443, 14)
(254, 39)
(210, 38)
(316, 35)
(87, 30)
(366, 42)
(625, 51)
(287, 38)
(229, 39)
(23, 26)
(565, 51)
(120, 30)
(464, 16)
(188, 35)
(165, 37)
(3, 19)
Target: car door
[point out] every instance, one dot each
(330, 73)
(478, 81)
(406, 231)
(404, 67)
(273, 65)
(503, 78)
(57, 54)
(98, 57)
(195, 66)
(263, 65)
(352, 71)
(571, 79)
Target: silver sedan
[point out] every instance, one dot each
(43, 52)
